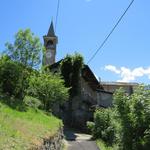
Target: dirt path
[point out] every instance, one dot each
(79, 141)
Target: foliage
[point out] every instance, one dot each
(71, 69)
(122, 106)
(134, 115)
(13, 102)
(12, 77)
(130, 119)
(103, 127)
(103, 146)
(32, 102)
(48, 88)
(25, 130)
(26, 48)
(77, 65)
(90, 126)
(66, 70)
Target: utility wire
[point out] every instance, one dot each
(57, 12)
(107, 37)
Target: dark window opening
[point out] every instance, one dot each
(49, 43)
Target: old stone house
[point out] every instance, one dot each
(106, 99)
(89, 87)
(91, 93)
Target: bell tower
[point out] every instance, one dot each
(50, 42)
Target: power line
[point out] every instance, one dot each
(57, 12)
(107, 37)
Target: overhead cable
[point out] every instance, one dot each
(57, 13)
(107, 37)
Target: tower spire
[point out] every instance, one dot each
(51, 31)
(50, 42)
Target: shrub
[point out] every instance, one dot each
(11, 78)
(134, 115)
(146, 140)
(103, 127)
(48, 88)
(90, 126)
(32, 102)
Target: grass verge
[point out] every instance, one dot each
(102, 145)
(25, 130)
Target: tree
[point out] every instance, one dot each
(103, 126)
(134, 115)
(26, 48)
(122, 105)
(48, 88)
(12, 76)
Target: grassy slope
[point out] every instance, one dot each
(22, 130)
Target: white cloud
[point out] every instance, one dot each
(127, 74)
(112, 68)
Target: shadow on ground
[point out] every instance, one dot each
(77, 140)
(70, 134)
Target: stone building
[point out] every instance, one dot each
(84, 103)
(88, 93)
(91, 93)
(106, 95)
(113, 86)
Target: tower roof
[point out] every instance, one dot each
(51, 31)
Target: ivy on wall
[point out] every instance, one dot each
(71, 67)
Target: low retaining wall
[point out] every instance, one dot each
(53, 143)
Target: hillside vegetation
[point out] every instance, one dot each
(125, 126)
(25, 130)
(28, 95)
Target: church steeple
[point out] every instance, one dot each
(50, 42)
(51, 31)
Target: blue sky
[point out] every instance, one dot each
(82, 26)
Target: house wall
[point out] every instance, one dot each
(129, 88)
(105, 99)
(87, 92)
(106, 96)
(82, 105)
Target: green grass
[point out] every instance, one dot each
(24, 130)
(102, 146)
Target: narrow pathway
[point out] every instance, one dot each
(79, 141)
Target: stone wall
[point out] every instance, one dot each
(53, 143)
(105, 99)
(82, 105)
(113, 86)
(87, 92)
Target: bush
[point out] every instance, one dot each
(146, 140)
(48, 88)
(103, 127)
(11, 78)
(90, 126)
(134, 115)
(32, 102)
